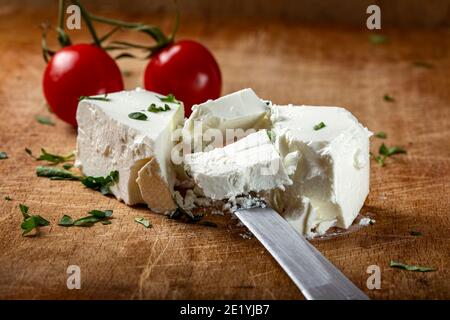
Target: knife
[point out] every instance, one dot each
(313, 274)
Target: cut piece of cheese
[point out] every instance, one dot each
(250, 164)
(224, 120)
(155, 190)
(108, 139)
(331, 181)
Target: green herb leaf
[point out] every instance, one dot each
(395, 264)
(3, 155)
(86, 221)
(138, 116)
(24, 209)
(415, 233)
(381, 135)
(8, 198)
(104, 98)
(31, 222)
(143, 221)
(271, 135)
(44, 120)
(55, 173)
(388, 98)
(377, 39)
(423, 64)
(101, 214)
(170, 98)
(53, 158)
(101, 183)
(156, 109)
(95, 216)
(66, 221)
(319, 126)
(67, 166)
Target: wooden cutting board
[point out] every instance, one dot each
(287, 63)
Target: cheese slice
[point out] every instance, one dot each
(108, 139)
(331, 179)
(216, 123)
(250, 164)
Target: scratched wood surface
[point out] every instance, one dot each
(285, 62)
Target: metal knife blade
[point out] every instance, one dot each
(313, 274)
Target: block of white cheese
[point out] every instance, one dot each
(224, 120)
(331, 180)
(109, 139)
(250, 164)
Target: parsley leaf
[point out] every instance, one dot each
(101, 183)
(388, 98)
(66, 221)
(381, 135)
(24, 209)
(319, 126)
(377, 39)
(95, 216)
(271, 135)
(104, 98)
(44, 120)
(3, 155)
(138, 116)
(143, 221)
(384, 152)
(56, 173)
(170, 98)
(155, 109)
(67, 166)
(395, 264)
(50, 157)
(31, 222)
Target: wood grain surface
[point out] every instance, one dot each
(284, 62)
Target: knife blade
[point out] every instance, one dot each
(313, 274)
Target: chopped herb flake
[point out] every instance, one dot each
(415, 233)
(381, 135)
(156, 109)
(170, 98)
(31, 222)
(101, 183)
(377, 39)
(54, 173)
(388, 98)
(385, 152)
(138, 116)
(319, 126)
(67, 166)
(3, 155)
(45, 120)
(65, 221)
(53, 158)
(395, 264)
(271, 135)
(95, 216)
(104, 98)
(143, 221)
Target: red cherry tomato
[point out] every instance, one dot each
(78, 70)
(186, 69)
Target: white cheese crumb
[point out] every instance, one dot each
(366, 221)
